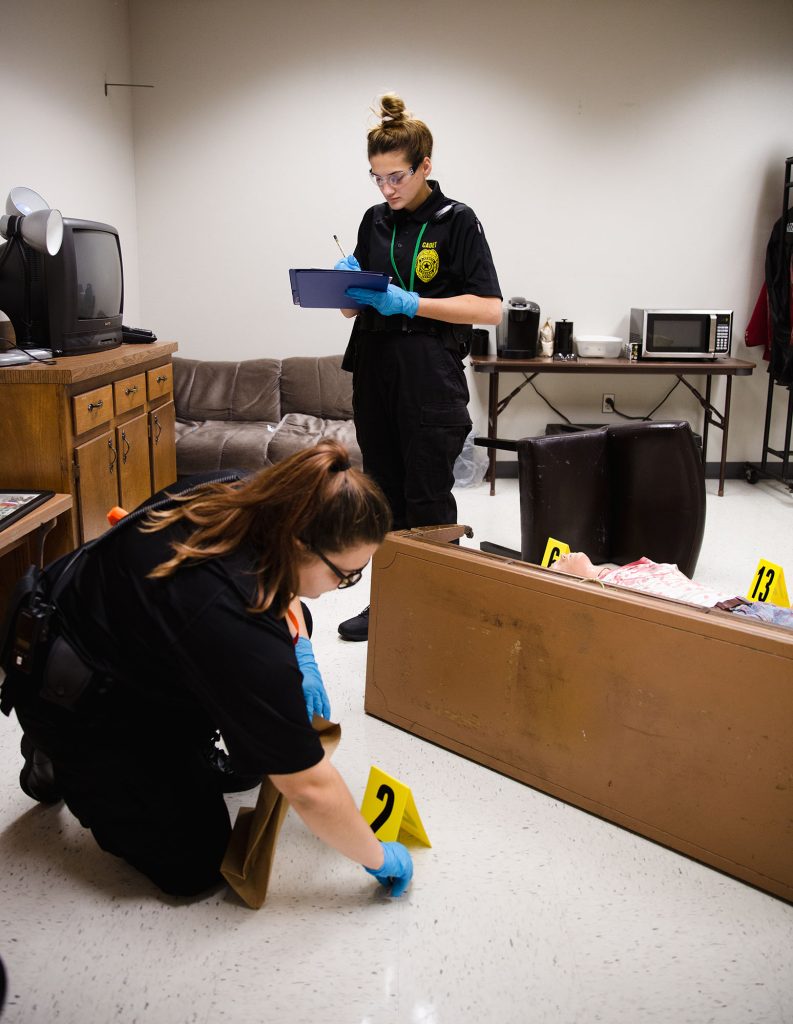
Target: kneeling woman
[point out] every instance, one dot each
(188, 621)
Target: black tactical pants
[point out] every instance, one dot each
(144, 788)
(410, 401)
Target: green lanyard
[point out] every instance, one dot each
(415, 255)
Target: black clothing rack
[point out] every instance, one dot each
(753, 470)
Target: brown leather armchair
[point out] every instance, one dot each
(616, 493)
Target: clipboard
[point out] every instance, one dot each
(325, 289)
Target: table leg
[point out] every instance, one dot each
(492, 429)
(706, 420)
(788, 425)
(724, 429)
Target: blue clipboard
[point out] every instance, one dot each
(325, 289)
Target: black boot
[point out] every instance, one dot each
(37, 778)
(356, 628)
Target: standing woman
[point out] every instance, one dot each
(410, 397)
(184, 621)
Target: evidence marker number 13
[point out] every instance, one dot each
(768, 585)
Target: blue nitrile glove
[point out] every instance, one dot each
(348, 263)
(393, 302)
(317, 702)
(397, 869)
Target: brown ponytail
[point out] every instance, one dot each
(399, 130)
(313, 497)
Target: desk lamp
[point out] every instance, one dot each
(28, 219)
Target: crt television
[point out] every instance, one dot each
(71, 302)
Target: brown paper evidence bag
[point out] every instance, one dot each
(251, 850)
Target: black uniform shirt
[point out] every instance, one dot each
(453, 257)
(190, 654)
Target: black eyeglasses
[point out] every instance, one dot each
(346, 579)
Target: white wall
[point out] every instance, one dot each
(60, 134)
(618, 154)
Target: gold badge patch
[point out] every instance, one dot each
(427, 264)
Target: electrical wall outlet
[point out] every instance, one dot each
(608, 403)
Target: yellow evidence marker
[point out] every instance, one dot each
(389, 807)
(768, 585)
(553, 549)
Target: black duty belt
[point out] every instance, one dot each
(374, 322)
(455, 337)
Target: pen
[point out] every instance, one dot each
(336, 240)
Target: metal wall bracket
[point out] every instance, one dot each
(125, 85)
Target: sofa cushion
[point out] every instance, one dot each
(210, 390)
(317, 386)
(224, 444)
(185, 427)
(298, 431)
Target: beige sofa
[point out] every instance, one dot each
(252, 413)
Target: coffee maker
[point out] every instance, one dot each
(518, 333)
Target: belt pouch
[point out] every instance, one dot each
(66, 676)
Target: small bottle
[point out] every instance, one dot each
(546, 339)
(563, 339)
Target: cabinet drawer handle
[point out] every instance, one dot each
(158, 425)
(161, 378)
(127, 447)
(114, 453)
(96, 405)
(131, 390)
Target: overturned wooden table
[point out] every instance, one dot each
(669, 720)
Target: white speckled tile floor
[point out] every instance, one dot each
(524, 910)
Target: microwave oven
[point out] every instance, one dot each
(681, 333)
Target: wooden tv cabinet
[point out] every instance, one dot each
(100, 427)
